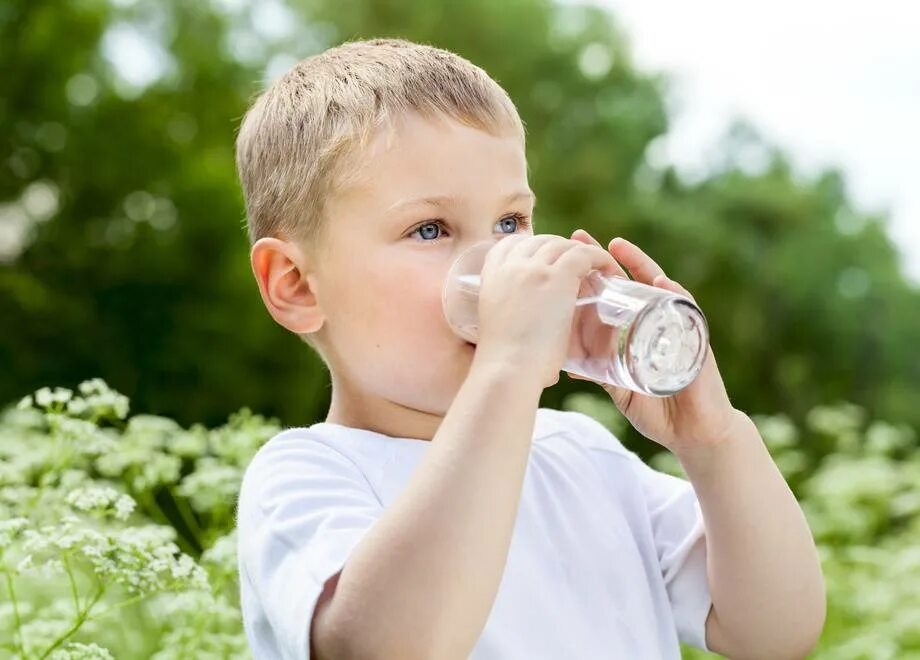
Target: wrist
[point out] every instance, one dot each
(505, 368)
(738, 431)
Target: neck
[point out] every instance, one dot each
(365, 410)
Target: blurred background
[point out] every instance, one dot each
(122, 245)
(766, 154)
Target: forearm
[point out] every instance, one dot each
(764, 572)
(423, 580)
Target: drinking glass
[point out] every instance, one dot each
(624, 333)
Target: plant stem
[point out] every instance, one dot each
(73, 585)
(78, 621)
(124, 603)
(188, 517)
(9, 586)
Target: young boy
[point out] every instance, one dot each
(438, 512)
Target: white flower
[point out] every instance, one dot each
(222, 554)
(212, 485)
(778, 431)
(101, 499)
(25, 403)
(10, 530)
(46, 397)
(77, 407)
(837, 419)
(77, 651)
(93, 386)
(25, 564)
(43, 397)
(124, 505)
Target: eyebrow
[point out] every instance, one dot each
(451, 201)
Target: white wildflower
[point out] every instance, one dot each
(47, 398)
(189, 444)
(222, 554)
(77, 407)
(92, 386)
(43, 397)
(212, 485)
(885, 438)
(101, 499)
(835, 419)
(25, 564)
(124, 506)
(10, 530)
(778, 431)
(77, 651)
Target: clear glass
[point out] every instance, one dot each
(624, 333)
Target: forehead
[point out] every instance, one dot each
(438, 156)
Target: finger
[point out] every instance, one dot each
(499, 252)
(615, 269)
(582, 259)
(641, 266)
(531, 245)
(549, 251)
(664, 282)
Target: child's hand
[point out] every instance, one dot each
(519, 270)
(699, 414)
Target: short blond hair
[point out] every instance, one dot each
(298, 136)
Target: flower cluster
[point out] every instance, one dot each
(103, 515)
(107, 518)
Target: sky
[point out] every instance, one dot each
(835, 83)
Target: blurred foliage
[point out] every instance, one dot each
(116, 530)
(122, 245)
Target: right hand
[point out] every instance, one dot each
(527, 300)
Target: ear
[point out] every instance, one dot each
(287, 285)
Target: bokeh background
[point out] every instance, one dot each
(123, 256)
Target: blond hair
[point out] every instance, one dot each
(298, 137)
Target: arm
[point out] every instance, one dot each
(763, 568)
(764, 572)
(422, 582)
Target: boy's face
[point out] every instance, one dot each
(396, 365)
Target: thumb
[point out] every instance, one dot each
(664, 282)
(613, 268)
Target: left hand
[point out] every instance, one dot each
(701, 413)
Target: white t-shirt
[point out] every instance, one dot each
(607, 557)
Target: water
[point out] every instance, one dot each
(624, 333)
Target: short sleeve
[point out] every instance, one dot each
(304, 506)
(680, 539)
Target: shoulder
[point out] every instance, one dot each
(296, 458)
(294, 446)
(580, 428)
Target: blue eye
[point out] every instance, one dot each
(433, 231)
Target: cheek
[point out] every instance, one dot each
(410, 300)
(395, 308)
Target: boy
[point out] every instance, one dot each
(438, 512)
